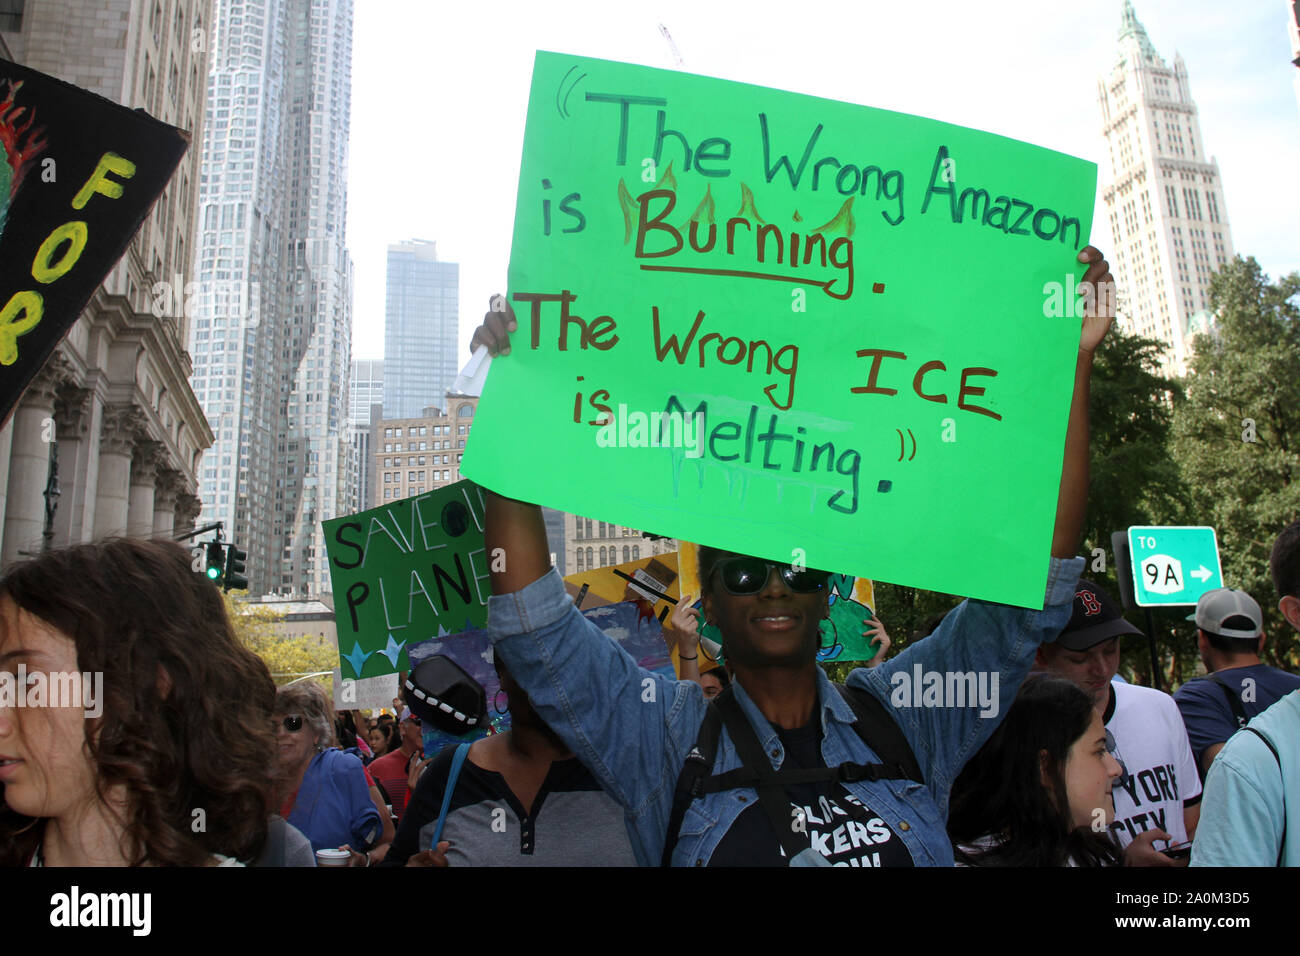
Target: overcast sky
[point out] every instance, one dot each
(439, 91)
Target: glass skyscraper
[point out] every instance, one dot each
(420, 361)
(271, 365)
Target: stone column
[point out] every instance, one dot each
(170, 483)
(29, 465)
(144, 475)
(117, 440)
(187, 509)
(72, 413)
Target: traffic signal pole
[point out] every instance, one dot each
(215, 526)
(1151, 640)
(1124, 578)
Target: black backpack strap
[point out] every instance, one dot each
(882, 733)
(1278, 757)
(769, 786)
(875, 725)
(1234, 702)
(698, 766)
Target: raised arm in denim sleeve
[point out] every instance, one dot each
(981, 650)
(630, 727)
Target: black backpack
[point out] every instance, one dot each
(874, 724)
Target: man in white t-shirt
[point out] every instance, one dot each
(1158, 798)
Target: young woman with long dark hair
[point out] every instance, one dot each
(1039, 791)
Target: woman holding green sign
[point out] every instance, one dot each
(783, 767)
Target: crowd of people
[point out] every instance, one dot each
(193, 757)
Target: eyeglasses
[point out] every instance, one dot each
(292, 723)
(743, 575)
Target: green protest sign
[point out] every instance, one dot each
(404, 573)
(789, 326)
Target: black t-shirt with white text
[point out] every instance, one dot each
(838, 826)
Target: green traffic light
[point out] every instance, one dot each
(216, 561)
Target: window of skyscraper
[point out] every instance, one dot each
(11, 15)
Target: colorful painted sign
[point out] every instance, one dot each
(638, 634)
(79, 174)
(645, 578)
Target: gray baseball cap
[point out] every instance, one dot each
(1217, 606)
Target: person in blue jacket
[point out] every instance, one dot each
(323, 791)
(635, 730)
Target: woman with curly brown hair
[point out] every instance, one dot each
(144, 736)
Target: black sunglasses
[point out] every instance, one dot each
(743, 575)
(292, 723)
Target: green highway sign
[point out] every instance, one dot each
(1173, 566)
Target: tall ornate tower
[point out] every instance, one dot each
(1168, 218)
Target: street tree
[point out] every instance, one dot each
(1236, 436)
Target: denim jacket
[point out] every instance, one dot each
(633, 729)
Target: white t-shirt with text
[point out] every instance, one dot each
(1151, 741)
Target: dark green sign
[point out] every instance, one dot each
(407, 572)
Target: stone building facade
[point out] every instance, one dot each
(112, 414)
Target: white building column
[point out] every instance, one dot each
(72, 415)
(170, 483)
(187, 510)
(144, 475)
(116, 444)
(29, 466)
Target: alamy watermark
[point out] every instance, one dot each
(1071, 299)
(53, 689)
(209, 299)
(77, 909)
(636, 429)
(922, 688)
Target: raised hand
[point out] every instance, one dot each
(879, 636)
(498, 323)
(1098, 290)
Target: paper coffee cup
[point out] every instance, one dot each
(332, 857)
